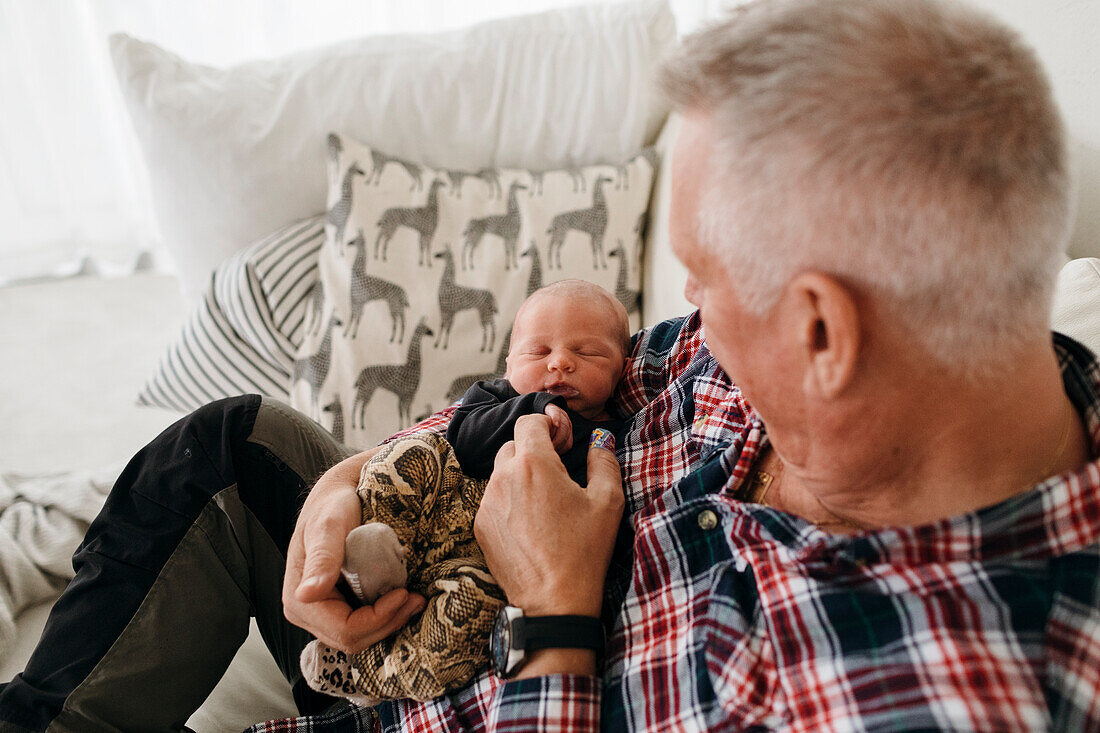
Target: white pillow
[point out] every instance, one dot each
(235, 153)
(1076, 311)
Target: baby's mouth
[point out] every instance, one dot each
(562, 389)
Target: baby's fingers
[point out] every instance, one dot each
(561, 428)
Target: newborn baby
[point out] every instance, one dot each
(570, 341)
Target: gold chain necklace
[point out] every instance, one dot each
(759, 482)
(1062, 442)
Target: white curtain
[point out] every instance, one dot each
(73, 191)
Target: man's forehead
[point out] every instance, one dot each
(693, 134)
(690, 175)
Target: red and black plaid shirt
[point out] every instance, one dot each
(736, 616)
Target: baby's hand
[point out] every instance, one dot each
(561, 429)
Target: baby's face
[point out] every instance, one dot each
(568, 347)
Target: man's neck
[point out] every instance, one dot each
(947, 447)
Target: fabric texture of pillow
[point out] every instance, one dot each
(243, 335)
(423, 270)
(1077, 302)
(234, 153)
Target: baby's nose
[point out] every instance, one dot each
(560, 361)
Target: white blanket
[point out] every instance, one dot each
(42, 521)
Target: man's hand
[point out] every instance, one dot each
(561, 429)
(316, 551)
(548, 541)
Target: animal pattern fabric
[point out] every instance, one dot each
(415, 486)
(422, 271)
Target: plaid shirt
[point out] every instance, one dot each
(732, 616)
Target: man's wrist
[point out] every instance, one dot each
(518, 638)
(562, 597)
(558, 661)
(559, 607)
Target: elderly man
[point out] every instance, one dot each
(891, 522)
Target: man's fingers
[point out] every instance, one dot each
(323, 538)
(602, 438)
(388, 614)
(604, 474)
(342, 628)
(389, 604)
(318, 578)
(321, 569)
(506, 452)
(532, 434)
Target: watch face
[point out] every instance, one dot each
(500, 643)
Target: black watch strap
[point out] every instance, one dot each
(562, 632)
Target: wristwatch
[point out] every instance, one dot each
(514, 635)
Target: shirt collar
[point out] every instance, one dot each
(1059, 516)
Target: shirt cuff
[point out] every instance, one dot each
(565, 702)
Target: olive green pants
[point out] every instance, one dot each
(190, 544)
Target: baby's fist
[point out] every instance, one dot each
(561, 429)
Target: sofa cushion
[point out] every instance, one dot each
(423, 269)
(1076, 310)
(234, 153)
(243, 334)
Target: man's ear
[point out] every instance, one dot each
(830, 332)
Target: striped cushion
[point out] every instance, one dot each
(243, 334)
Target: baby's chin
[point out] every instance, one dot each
(591, 412)
(577, 402)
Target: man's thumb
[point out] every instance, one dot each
(601, 438)
(601, 456)
(320, 572)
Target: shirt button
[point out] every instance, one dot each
(708, 519)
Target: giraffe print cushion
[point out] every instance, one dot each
(422, 271)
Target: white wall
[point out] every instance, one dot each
(1065, 34)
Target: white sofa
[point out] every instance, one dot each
(79, 351)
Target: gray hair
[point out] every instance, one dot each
(911, 148)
